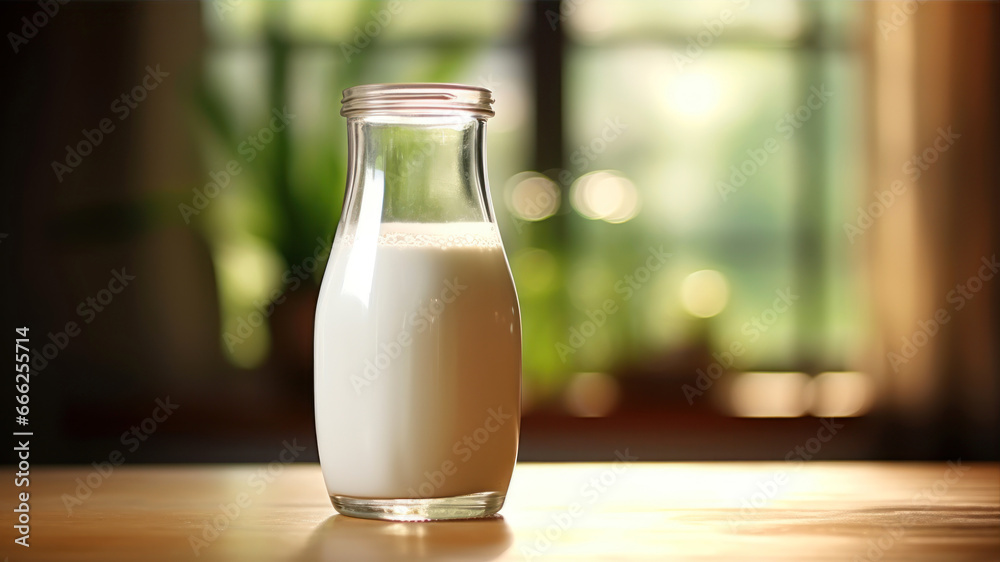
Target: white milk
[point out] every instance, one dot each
(418, 362)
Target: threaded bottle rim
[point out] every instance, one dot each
(416, 99)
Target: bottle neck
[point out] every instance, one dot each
(422, 169)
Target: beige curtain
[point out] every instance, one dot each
(932, 126)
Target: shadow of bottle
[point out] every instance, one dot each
(347, 538)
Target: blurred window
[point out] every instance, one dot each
(723, 132)
(739, 124)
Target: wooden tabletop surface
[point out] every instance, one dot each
(619, 511)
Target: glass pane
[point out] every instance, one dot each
(685, 136)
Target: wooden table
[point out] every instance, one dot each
(623, 511)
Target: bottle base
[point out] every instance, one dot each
(471, 506)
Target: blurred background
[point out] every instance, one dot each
(792, 205)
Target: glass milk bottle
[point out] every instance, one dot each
(418, 331)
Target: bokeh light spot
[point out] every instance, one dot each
(768, 395)
(532, 196)
(605, 195)
(838, 394)
(704, 293)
